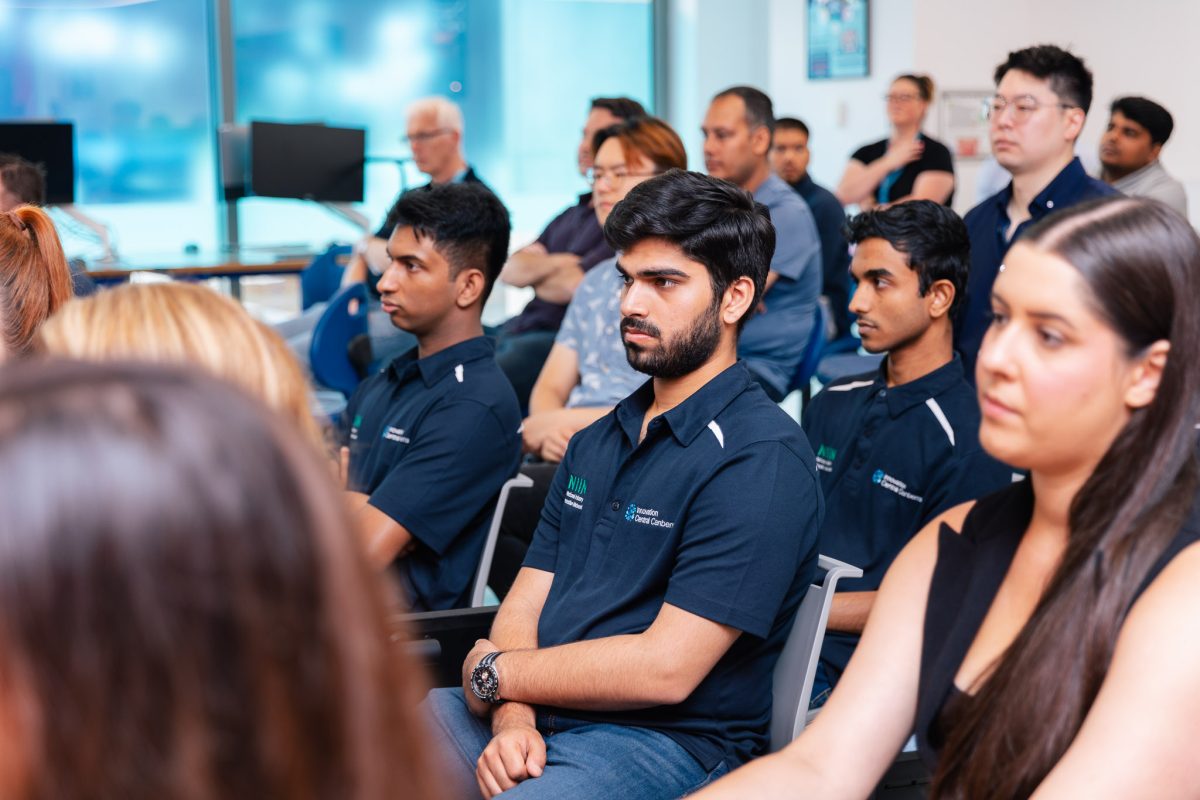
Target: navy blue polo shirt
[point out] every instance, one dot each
(431, 441)
(716, 512)
(890, 460)
(987, 225)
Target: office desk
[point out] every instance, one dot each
(201, 265)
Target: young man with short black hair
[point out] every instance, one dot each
(790, 155)
(434, 436)
(675, 545)
(898, 446)
(1042, 98)
(1137, 130)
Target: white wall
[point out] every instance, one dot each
(842, 115)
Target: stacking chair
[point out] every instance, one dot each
(813, 348)
(797, 665)
(321, 279)
(489, 547)
(345, 317)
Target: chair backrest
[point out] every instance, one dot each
(321, 279)
(797, 665)
(344, 318)
(489, 545)
(812, 351)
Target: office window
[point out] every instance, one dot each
(522, 70)
(135, 80)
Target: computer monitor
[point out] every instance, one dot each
(50, 144)
(307, 162)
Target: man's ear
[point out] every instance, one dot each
(1155, 149)
(1075, 120)
(939, 298)
(469, 284)
(1146, 375)
(760, 140)
(738, 297)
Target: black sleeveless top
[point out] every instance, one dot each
(970, 568)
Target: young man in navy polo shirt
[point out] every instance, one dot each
(434, 436)
(633, 656)
(898, 446)
(1042, 98)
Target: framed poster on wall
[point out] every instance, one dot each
(839, 44)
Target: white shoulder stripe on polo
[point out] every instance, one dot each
(941, 418)
(716, 429)
(458, 373)
(846, 387)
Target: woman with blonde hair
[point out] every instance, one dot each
(34, 278)
(184, 323)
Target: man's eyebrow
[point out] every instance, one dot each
(662, 272)
(878, 272)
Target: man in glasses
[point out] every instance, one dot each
(1041, 102)
(554, 264)
(738, 129)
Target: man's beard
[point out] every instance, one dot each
(682, 354)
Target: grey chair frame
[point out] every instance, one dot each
(489, 546)
(797, 666)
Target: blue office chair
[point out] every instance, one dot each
(321, 279)
(344, 318)
(802, 378)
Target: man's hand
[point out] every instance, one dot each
(554, 445)
(515, 753)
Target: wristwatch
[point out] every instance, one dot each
(485, 680)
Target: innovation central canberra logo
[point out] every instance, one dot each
(646, 516)
(885, 481)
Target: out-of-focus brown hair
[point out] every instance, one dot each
(183, 323)
(182, 613)
(34, 278)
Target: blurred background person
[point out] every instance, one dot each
(908, 165)
(34, 278)
(189, 325)
(182, 614)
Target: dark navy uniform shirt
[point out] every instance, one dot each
(432, 440)
(716, 512)
(890, 460)
(987, 225)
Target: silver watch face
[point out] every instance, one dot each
(485, 682)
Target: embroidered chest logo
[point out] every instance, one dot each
(646, 516)
(576, 489)
(354, 426)
(825, 457)
(394, 434)
(894, 485)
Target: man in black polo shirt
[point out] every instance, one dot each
(898, 446)
(633, 656)
(1042, 98)
(434, 436)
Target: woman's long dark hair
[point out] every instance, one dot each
(1141, 262)
(183, 612)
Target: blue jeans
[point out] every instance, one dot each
(583, 760)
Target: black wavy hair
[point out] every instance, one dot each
(933, 237)
(467, 222)
(712, 221)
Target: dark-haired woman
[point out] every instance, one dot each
(908, 165)
(1045, 641)
(182, 616)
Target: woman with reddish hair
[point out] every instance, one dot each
(34, 278)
